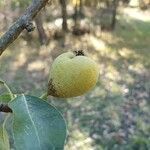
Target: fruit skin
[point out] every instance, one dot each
(72, 75)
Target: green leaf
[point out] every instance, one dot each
(4, 140)
(5, 98)
(37, 125)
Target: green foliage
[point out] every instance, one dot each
(140, 143)
(36, 124)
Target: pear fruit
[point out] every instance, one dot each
(72, 74)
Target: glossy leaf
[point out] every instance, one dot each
(37, 125)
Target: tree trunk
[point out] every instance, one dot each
(64, 14)
(107, 3)
(114, 5)
(42, 35)
(142, 5)
(81, 8)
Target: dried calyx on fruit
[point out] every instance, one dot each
(72, 74)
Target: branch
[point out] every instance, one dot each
(24, 22)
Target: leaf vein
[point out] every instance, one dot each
(28, 111)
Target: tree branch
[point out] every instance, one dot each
(24, 22)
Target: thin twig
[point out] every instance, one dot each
(24, 22)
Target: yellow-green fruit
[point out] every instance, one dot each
(72, 75)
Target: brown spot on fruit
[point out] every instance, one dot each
(51, 89)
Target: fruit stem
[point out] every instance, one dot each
(44, 96)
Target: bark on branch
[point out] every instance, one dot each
(24, 22)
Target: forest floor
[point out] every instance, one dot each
(115, 114)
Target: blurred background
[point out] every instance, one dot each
(115, 115)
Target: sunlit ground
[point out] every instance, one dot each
(115, 113)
